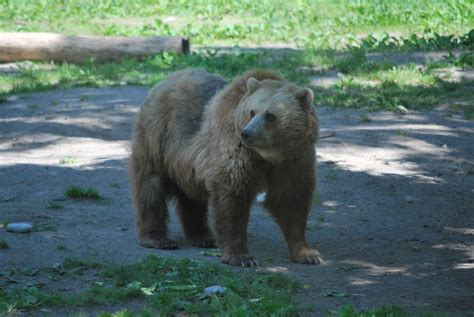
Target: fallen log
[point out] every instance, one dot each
(81, 49)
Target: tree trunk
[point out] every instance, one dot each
(80, 49)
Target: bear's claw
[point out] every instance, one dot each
(240, 260)
(308, 256)
(313, 259)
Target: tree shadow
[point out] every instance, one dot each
(42, 120)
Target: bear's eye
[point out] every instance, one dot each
(252, 114)
(269, 117)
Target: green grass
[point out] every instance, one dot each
(365, 118)
(167, 286)
(14, 298)
(331, 35)
(320, 23)
(67, 160)
(4, 244)
(55, 205)
(45, 226)
(384, 311)
(366, 85)
(469, 113)
(77, 192)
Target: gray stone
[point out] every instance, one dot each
(19, 227)
(214, 289)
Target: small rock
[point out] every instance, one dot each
(19, 227)
(261, 198)
(411, 199)
(214, 289)
(59, 268)
(401, 109)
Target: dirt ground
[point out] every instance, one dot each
(394, 221)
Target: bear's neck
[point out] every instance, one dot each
(273, 156)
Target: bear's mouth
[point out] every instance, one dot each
(251, 143)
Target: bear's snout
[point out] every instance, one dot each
(246, 134)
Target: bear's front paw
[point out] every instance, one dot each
(307, 256)
(156, 243)
(240, 260)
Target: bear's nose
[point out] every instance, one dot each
(245, 135)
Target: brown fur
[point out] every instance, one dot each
(189, 145)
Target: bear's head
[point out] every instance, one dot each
(276, 118)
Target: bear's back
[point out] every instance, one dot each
(175, 106)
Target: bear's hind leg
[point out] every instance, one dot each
(152, 214)
(193, 215)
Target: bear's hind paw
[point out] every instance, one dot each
(163, 243)
(205, 243)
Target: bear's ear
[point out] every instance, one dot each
(305, 96)
(252, 84)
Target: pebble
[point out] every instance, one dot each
(401, 109)
(214, 289)
(19, 227)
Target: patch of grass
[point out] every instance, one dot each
(151, 70)
(55, 205)
(13, 299)
(469, 113)
(467, 110)
(365, 118)
(384, 311)
(178, 286)
(77, 192)
(351, 61)
(61, 247)
(115, 185)
(401, 132)
(4, 244)
(170, 287)
(67, 160)
(33, 107)
(73, 263)
(45, 226)
(387, 95)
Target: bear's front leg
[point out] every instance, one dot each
(289, 200)
(292, 221)
(229, 215)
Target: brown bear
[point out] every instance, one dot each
(213, 146)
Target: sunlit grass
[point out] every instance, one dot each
(321, 23)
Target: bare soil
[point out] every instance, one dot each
(394, 219)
